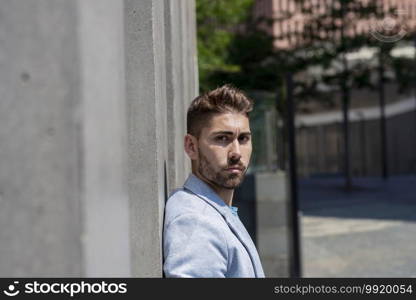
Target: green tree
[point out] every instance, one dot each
(217, 24)
(232, 47)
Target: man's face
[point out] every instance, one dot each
(224, 150)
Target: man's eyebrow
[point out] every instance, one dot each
(223, 132)
(245, 133)
(231, 133)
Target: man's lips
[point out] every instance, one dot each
(235, 169)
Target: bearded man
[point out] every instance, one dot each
(203, 235)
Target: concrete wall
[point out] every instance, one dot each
(93, 94)
(102, 148)
(40, 148)
(181, 83)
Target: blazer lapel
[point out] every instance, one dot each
(203, 191)
(241, 233)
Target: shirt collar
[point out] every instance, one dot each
(234, 210)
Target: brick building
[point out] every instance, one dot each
(400, 14)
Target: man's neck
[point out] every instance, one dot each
(225, 194)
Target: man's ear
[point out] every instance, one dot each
(191, 146)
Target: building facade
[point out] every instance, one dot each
(399, 13)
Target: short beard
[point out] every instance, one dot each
(220, 178)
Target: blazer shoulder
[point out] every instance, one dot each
(182, 202)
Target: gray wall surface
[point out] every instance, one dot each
(92, 117)
(40, 139)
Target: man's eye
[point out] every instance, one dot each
(222, 138)
(244, 139)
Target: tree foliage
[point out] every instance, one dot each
(233, 47)
(331, 32)
(217, 22)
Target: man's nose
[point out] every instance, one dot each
(235, 153)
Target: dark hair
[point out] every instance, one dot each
(221, 100)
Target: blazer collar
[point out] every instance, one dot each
(206, 193)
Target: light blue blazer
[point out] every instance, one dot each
(203, 238)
